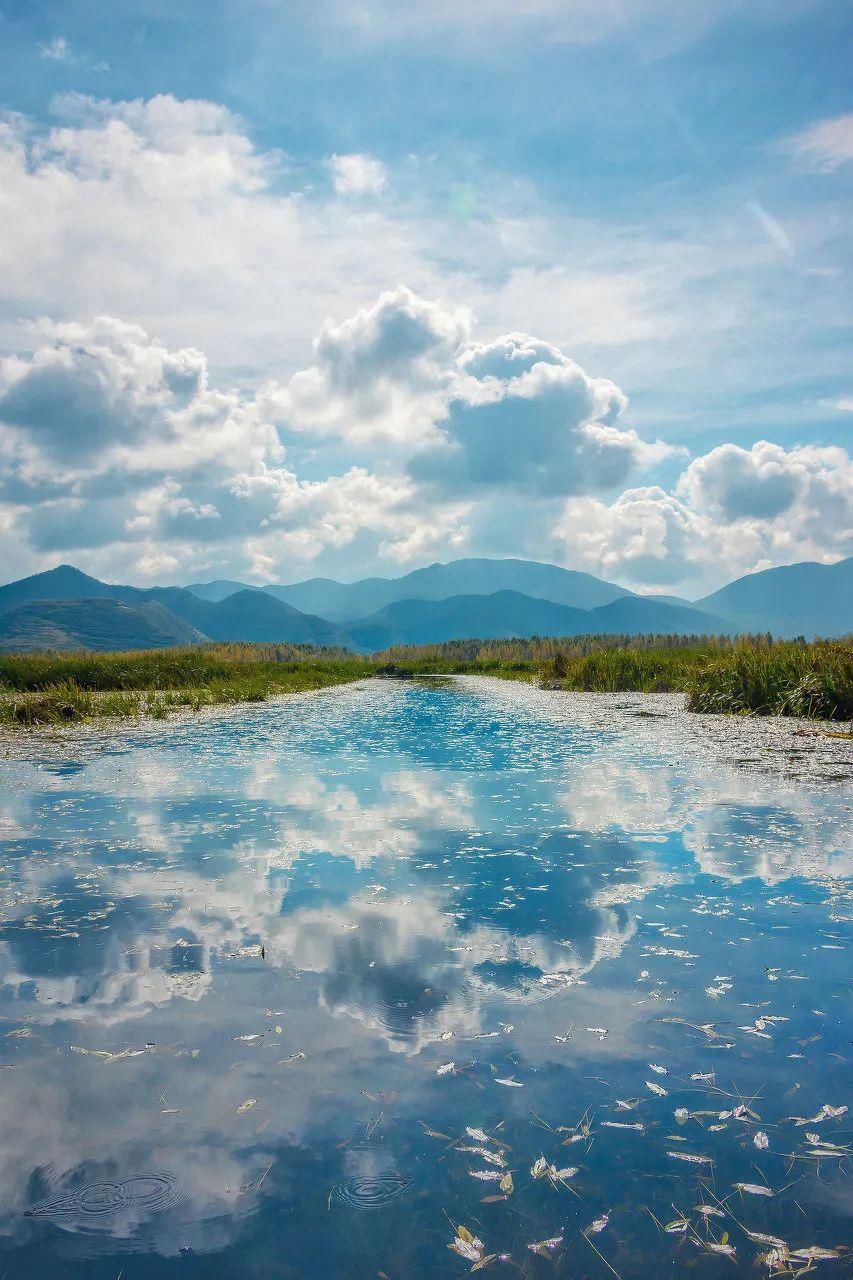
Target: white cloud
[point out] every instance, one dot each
(164, 211)
(734, 511)
(767, 481)
(385, 373)
(646, 537)
(146, 458)
(56, 50)
(525, 416)
(106, 395)
(513, 413)
(826, 145)
(358, 174)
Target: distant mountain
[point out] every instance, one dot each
(62, 583)
(649, 615)
(247, 615)
(255, 617)
(808, 599)
(798, 599)
(219, 589)
(506, 614)
(342, 601)
(92, 624)
(500, 615)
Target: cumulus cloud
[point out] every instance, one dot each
(647, 536)
(107, 394)
(358, 174)
(515, 412)
(167, 212)
(526, 416)
(384, 373)
(141, 451)
(766, 480)
(826, 145)
(734, 511)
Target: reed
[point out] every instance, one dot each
(752, 676)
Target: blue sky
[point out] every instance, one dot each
(337, 288)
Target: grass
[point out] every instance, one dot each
(753, 676)
(50, 689)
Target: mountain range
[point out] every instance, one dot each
(64, 608)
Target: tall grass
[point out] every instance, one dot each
(58, 689)
(782, 680)
(751, 676)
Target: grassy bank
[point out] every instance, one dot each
(61, 689)
(750, 676)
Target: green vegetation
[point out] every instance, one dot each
(753, 675)
(58, 689)
(787, 679)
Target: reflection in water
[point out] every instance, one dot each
(376, 948)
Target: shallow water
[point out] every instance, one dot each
(240, 954)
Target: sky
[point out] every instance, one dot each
(343, 287)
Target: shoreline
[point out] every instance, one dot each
(808, 681)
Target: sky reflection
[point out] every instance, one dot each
(237, 957)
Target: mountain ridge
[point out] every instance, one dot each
(509, 614)
(803, 599)
(250, 616)
(343, 602)
(776, 599)
(96, 623)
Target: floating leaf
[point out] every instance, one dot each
(545, 1247)
(485, 1261)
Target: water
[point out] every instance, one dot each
(240, 954)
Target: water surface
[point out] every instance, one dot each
(261, 971)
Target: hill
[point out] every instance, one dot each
(341, 601)
(507, 614)
(255, 617)
(807, 599)
(92, 624)
(502, 615)
(219, 589)
(62, 583)
(247, 615)
(649, 615)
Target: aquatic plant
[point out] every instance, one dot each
(754, 675)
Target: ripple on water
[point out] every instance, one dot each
(372, 1180)
(143, 1192)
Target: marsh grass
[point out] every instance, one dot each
(792, 679)
(50, 689)
(753, 676)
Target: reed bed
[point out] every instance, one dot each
(750, 676)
